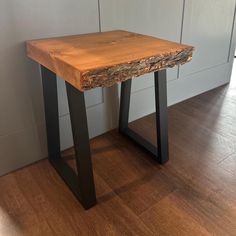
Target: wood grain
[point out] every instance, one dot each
(193, 194)
(103, 59)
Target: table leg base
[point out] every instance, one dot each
(71, 180)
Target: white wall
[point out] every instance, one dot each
(206, 24)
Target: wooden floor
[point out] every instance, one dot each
(193, 194)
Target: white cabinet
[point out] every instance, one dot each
(206, 24)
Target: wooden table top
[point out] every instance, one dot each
(103, 59)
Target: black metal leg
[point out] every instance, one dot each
(82, 145)
(124, 105)
(161, 116)
(82, 185)
(161, 151)
(51, 112)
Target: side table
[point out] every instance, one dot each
(101, 60)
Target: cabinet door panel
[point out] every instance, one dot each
(207, 25)
(22, 123)
(159, 18)
(92, 98)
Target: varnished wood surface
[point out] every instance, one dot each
(103, 59)
(193, 194)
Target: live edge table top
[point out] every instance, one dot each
(103, 59)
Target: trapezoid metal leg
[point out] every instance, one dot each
(82, 185)
(82, 146)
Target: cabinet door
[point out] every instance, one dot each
(208, 26)
(159, 18)
(22, 128)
